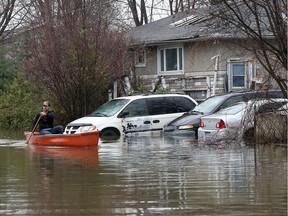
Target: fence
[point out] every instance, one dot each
(271, 128)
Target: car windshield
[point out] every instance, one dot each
(233, 109)
(208, 105)
(110, 108)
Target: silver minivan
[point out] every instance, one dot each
(132, 114)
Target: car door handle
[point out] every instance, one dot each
(156, 121)
(147, 122)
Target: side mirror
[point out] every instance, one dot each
(124, 114)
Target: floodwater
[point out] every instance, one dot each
(143, 175)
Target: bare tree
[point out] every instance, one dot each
(138, 20)
(6, 12)
(176, 6)
(12, 16)
(76, 53)
(265, 22)
(145, 11)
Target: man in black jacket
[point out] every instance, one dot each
(46, 121)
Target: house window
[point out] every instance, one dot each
(170, 60)
(237, 74)
(198, 95)
(140, 58)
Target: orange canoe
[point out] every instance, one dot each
(85, 139)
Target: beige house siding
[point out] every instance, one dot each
(150, 67)
(199, 68)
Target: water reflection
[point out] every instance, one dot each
(144, 175)
(12, 135)
(87, 156)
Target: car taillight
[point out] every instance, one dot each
(220, 124)
(201, 124)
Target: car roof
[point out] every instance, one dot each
(152, 96)
(246, 104)
(252, 102)
(254, 92)
(268, 100)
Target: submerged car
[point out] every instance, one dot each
(133, 114)
(235, 122)
(188, 123)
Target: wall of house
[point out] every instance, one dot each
(150, 67)
(199, 68)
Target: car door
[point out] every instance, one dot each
(137, 118)
(163, 110)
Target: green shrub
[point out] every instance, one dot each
(18, 104)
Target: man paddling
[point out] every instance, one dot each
(45, 120)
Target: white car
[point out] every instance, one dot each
(235, 122)
(133, 115)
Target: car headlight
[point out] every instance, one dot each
(87, 128)
(186, 127)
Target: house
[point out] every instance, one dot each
(187, 56)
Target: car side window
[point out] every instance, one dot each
(169, 105)
(137, 108)
(166, 105)
(231, 101)
(161, 105)
(184, 104)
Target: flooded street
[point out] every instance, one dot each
(144, 175)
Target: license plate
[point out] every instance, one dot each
(207, 135)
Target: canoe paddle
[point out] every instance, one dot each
(33, 130)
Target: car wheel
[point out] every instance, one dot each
(110, 134)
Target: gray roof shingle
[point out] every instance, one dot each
(160, 31)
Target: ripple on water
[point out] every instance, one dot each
(143, 176)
